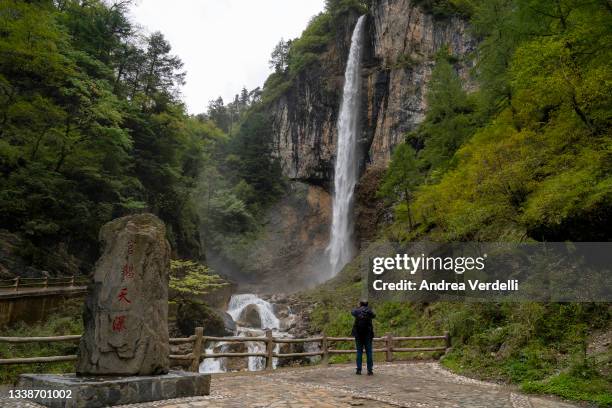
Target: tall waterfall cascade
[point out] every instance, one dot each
(340, 249)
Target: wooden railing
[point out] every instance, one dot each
(198, 340)
(18, 283)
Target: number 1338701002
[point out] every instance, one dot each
(44, 394)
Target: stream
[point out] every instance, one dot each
(238, 306)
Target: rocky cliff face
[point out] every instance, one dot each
(405, 42)
(289, 253)
(400, 52)
(304, 117)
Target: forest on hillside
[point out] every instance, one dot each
(527, 156)
(92, 127)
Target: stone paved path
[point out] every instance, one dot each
(411, 385)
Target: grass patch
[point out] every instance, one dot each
(597, 390)
(65, 322)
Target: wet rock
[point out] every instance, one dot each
(233, 363)
(126, 309)
(215, 322)
(249, 317)
(281, 310)
(235, 347)
(288, 322)
(228, 323)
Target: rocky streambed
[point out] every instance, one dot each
(252, 316)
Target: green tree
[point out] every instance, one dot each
(280, 56)
(189, 279)
(401, 179)
(219, 114)
(539, 167)
(256, 165)
(91, 128)
(450, 120)
(64, 151)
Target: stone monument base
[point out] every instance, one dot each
(104, 391)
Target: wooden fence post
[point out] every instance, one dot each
(389, 346)
(269, 349)
(16, 283)
(447, 341)
(325, 356)
(72, 281)
(197, 349)
(46, 282)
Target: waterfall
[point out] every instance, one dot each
(266, 311)
(269, 320)
(340, 249)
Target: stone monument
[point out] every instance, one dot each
(126, 313)
(124, 351)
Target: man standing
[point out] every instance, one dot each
(363, 331)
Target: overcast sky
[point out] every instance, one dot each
(224, 44)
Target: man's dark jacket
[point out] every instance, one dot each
(362, 327)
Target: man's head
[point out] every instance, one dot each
(363, 303)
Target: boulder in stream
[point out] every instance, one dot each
(250, 317)
(234, 363)
(214, 321)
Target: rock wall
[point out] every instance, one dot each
(288, 252)
(398, 59)
(405, 42)
(304, 117)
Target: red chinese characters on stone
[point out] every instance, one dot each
(119, 323)
(130, 248)
(123, 296)
(127, 272)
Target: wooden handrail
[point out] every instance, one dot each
(45, 282)
(44, 278)
(307, 354)
(36, 360)
(217, 355)
(374, 350)
(198, 354)
(234, 339)
(419, 338)
(416, 349)
(75, 337)
(179, 340)
(50, 339)
(307, 340)
(181, 357)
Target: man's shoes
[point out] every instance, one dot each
(370, 373)
(358, 372)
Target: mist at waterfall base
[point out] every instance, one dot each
(341, 247)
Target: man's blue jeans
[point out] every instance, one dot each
(361, 344)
